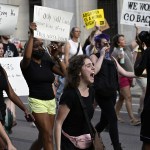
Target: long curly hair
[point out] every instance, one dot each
(73, 71)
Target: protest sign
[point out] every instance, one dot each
(16, 79)
(52, 24)
(8, 19)
(105, 27)
(136, 12)
(92, 17)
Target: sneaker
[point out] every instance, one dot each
(135, 122)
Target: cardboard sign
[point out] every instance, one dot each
(8, 19)
(90, 17)
(16, 79)
(136, 12)
(105, 27)
(52, 24)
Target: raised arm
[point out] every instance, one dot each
(98, 61)
(28, 48)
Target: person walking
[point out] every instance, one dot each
(143, 62)
(80, 76)
(106, 86)
(124, 56)
(6, 87)
(39, 75)
(73, 46)
(10, 50)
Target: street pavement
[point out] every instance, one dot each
(24, 134)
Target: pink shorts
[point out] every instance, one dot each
(124, 81)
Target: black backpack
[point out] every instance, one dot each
(106, 80)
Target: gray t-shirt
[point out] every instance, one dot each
(128, 58)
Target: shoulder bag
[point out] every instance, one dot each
(96, 139)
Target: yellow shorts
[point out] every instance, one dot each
(42, 106)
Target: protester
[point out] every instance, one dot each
(10, 50)
(80, 76)
(106, 86)
(5, 86)
(89, 45)
(73, 46)
(18, 45)
(123, 52)
(39, 76)
(4, 136)
(1, 50)
(140, 81)
(143, 62)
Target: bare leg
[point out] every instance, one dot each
(126, 93)
(118, 107)
(44, 123)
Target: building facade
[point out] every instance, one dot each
(112, 10)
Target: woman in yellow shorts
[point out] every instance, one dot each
(39, 76)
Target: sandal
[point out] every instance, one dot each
(135, 122)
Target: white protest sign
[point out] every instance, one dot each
(136, 12)
(16, 79)
(8, 19)
(52, 24)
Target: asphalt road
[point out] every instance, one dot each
(24, 134)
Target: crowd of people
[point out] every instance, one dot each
(103, 73)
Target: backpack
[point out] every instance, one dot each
(106, 80)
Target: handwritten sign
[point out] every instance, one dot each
(105, 27)
(16, 79)
(52, 24)
(90, 17)
(136, 12)
(8, 19)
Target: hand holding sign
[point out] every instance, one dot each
(32, 27)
